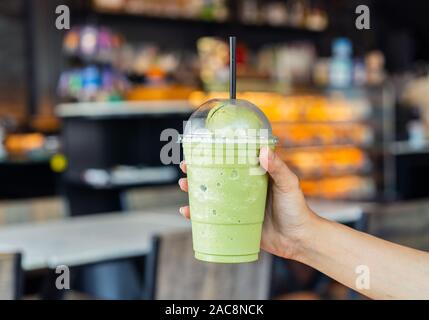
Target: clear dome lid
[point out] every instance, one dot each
(226, 119)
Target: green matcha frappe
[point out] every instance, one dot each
(227, 187)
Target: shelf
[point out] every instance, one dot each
(25, 160)
(324, 146)
(362, 172)
(405, 147)
(141, 177)
(123, 108)
(367, 122)
(200, 22)
(142, 17)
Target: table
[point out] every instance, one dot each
(83, 240)
(88, 239)
(339, 211)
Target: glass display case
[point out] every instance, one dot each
(326, 138)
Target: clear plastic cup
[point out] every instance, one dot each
(227, 187)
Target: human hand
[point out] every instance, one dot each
(287, 217)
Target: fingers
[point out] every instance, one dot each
(183, 166)
(183, 184)
(184, 211)
(282, 176)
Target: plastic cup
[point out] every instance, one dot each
(227, 187)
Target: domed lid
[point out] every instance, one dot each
(228, 120)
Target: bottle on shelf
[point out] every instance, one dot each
(341, 68)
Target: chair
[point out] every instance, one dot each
(10, 276)
(173, 273)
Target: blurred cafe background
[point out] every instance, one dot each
(82, 111)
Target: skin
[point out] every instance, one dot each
(293, 231)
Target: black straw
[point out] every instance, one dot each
(232, 69)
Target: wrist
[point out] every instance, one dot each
(309, 235)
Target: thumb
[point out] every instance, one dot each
(282, 176)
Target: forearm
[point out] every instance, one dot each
(395, 272)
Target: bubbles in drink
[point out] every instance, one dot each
(203, 188)
(234, 175)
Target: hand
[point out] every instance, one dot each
(287, 217)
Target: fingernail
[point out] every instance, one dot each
(181, 210)
(179, 181)
(270, 154)
(267, 152)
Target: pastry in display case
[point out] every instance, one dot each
(324, 138)
(345, 187)
(314, 162)
(305, 134)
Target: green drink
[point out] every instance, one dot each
(227, 187)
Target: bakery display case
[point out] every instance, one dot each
(326, 138)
